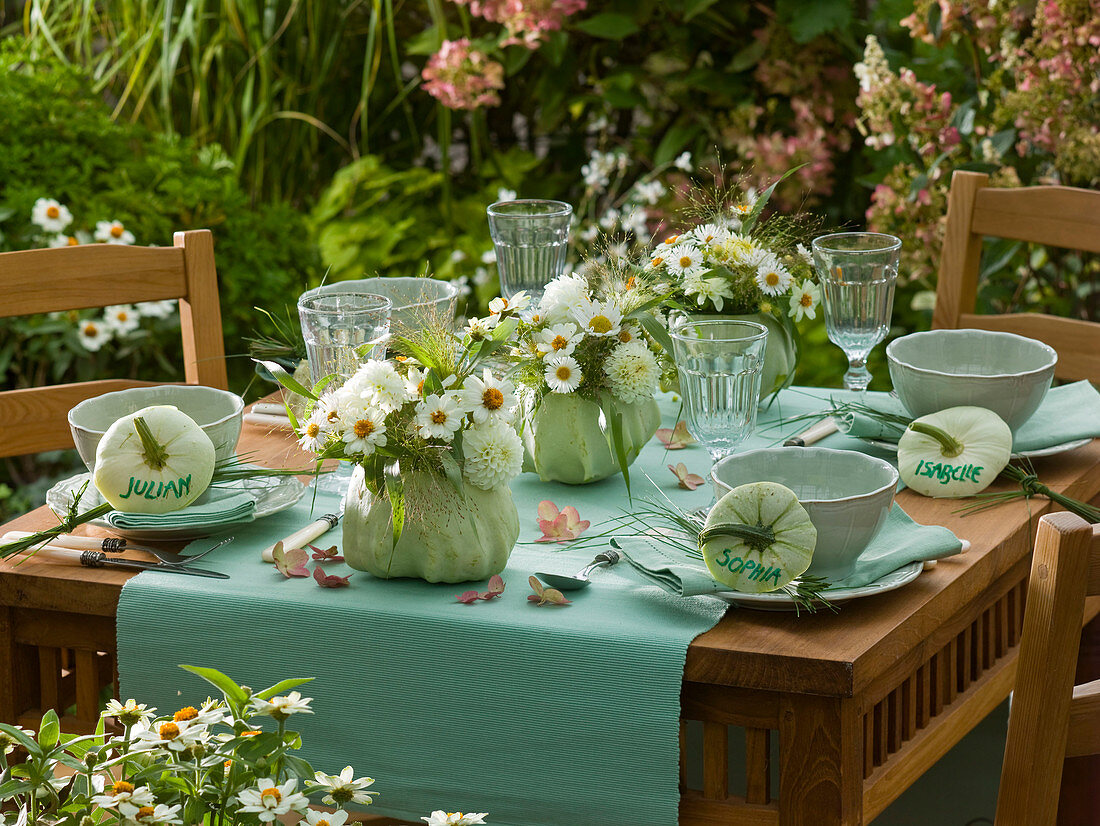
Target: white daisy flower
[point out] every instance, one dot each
(558, 339)
(649, 192)
(268, 801)
(772, 277)
(480, 328)
(414, 383)
(282, 707)
(804, 254)
(129, 713)
(506, 194)
(93, 334)
(658, 261)
(157, 309)
(515, 304)
(683, 162)
(804, 301)
(633, 371)
(64, 241)
(492, 454)
(159, 815)
(379, 383)
(113, 232)
(125, 797)
(562, 374)
(561, 296)
(341, 789)
(212, 713)
(315, 817)
(438, 417)
(714, 290)
(670, 242)
(51, 215)
(171, 736)
(636, 223)
(441, 818)
(489, 397)
(685, 259)
(366, 432)
(710, 235)
(123, 318)
(599, 318)
(737, 249)
(316, 431)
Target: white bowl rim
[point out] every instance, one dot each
(238, 404)
(891, 355)
(882, 463)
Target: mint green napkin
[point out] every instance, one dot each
(900, 542)
(217, 506)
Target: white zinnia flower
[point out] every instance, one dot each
(492, 454)
(93, 334)
(282, 707)
(157, 309)
(414, 383)
(63, 240)
(558, 339)
(772, 277)
(562, 296)
(599, 318)
(714, 290)
(562, 374)
(51, 215)
(685, 259)
(438, 417)
(269, 801)
(517, 302)
(341, 789)
(804, 301)
(128, 713)
(159, 815)
(122, 317)
(480, 328)
(171, 735)
(366, 432)
(710, 235)
(489, 397)
(315, 817)
(441, 818)
(379, 383)
(633, 371)
(125, 797)
(113, 232)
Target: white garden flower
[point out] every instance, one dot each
(341, 789)
(506, 194)
(51, 215)
(685, 259)
(609, 219)
(481, 328)
(649, 192)
(636, 222)
(658, 261)
(8, 743)
(366, 432)
(441, 818)
(268, 801)
(633, 372)
(714, 290)
(316, 431)
(515, 304)
(414, 383)
(282, 707)
(804, 254)
(492, 454)
(736, 249)
(438, 417)
(772, 277)
(125, 797)
(129, 713)
(562, 374)
(315, 817)
(213, 712)
(113, 232)
(804, 301)
(683, 162)
(558, 339)
(63, 240)
(159, 815)
(123, 318)
(489, 397)
(157, 309)
(93, 334)
(562, 296)
(171, 736)
(379, 383)
(710, 235)
(599, 318)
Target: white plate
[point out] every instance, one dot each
(1053, 450)
(271, 494)
(779, 601)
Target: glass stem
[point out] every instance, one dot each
(858, 376)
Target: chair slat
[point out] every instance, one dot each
(1076, 342)
(1084, 721)
(715, 760)
(1058, 216)
(757, 765)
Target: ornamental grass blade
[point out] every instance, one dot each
(395, 491)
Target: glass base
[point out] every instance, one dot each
(857, 378)
(337, 482)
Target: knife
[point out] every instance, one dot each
(98, 559)
(814, 433)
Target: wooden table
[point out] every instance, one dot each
(857, 705)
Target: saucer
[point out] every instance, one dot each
(1053, 450)
(271, 495)
(779, 601)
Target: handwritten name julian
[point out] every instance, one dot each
(158, 490)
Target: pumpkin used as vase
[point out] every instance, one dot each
(447, 536)
(564, 440)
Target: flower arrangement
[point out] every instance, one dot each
(228, 762)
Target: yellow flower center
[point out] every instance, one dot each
(121, 787)
(52, 212)
(72, 242)
(559, 342)
(743, 208)
(420, 388)
(90, 329)
(657, 261)
(600, 324)
(185, 713)
(492, 399)
(765, 307)
(251, 733)
(438, 417)
(144, 811)
(630, 283)
(672, 239)
(169, 731)
(363, 428)
(272, 793)
(117, 230)
(685, 261)
(771, 279)
(312, 429)
(807, 300)
(625, 336)
(708, 239)
(563, 372)
(122, 315)
(332, 416)
(321, 822)
(536, 318)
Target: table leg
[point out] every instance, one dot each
(820, 769)
(19, 686)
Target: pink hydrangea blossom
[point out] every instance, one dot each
(463, 78)
(527, 21)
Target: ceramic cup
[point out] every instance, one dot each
(848, 496)
(1002, 372)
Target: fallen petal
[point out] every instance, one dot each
(677, 437)
(548, 510)
(573, 522)
(468, 597)
(688, 481)
(290, 563)
(330, 581)
(496, 584)
(326, 554)
(536, 585)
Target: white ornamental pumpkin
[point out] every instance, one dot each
(154, 461)
(954, 453)
(758, 538)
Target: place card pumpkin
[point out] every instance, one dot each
(954, 453)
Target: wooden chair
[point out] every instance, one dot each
(1057, 216)
(98, 275)
(1051, 719)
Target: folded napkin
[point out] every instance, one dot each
(900, 542)
(1068, 413)
(218, 506)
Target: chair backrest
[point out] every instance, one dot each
(1051, 719)
(98, 275)
(1056, 216)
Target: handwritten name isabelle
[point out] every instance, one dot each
(158, 490)
(945, 473)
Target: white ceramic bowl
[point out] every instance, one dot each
(847, 494)
(218, 413)
(1002, 372)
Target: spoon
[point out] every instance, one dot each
(580, 578)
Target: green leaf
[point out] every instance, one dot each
(296, 765)
(395, 491)
(694, 8)
(233, 692)
(673, 142)
(25, 740)
(50, 730)
(748, 56)
(285, 379)
(764, 197)
(259, 745)
(657, 331)
(609, 25)
(807, 19)
(280, 687)
(453, 472)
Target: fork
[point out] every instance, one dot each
(115, 545)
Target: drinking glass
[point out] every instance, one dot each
(719, 363)
(857, 271)
(342, 328)
(415, 299)
(531, 238)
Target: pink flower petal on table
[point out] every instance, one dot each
(573, 522)
(559, 527)
(688, 481)
(544, 595)
(496, 587)
(326, 554)
(468, 597)
(676, 438)
(547, 510)
(290, 563)
(329, 581)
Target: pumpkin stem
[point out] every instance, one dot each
(757, 537)
(156, 454)
(949, 445)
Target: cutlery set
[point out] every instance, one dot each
(93, 552)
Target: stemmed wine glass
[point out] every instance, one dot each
(857, 271)
(531, 238)
(719, 362)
